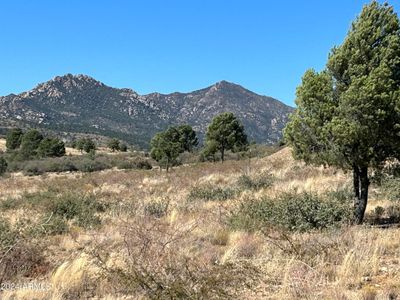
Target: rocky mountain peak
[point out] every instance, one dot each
(78, 81)
(226, 86)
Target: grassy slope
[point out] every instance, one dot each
(350, 263)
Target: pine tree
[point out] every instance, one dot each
(51, 147)
(224, 133)
(187, 137)
(29, 143)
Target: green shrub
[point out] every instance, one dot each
(211, 193)
(391, 188)
(7, 236)
(292, 211)
(393, 213)
(156, 208)
(342, 195)
(143, 164)
(50, 224)
(89, 165)
(33, 168)
(41, 201)
(123, 147)
(246, 182)
(61, 165)
(10, 203)
(81, 209)
(134, 164)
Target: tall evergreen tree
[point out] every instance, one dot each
(348, 115)
(30, 142)
(13, 138)
(187, 137)
(224, 133)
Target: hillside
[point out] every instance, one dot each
(81, 104)
(137, 234)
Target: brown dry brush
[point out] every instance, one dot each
(156, 267)
(21, 254)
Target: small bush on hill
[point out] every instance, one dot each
(211, 193)
(136, 164)
(246, 182)
(157, 208)
(81, 209)
(91, 165)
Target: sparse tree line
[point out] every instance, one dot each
(33, 152)
(32, 144)
(84, 144)
(117, 145)
(224, 133)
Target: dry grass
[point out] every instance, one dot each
(346, 263)
(3, 145)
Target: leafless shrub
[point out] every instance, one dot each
(154, 265)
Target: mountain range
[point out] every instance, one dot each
(79, 104)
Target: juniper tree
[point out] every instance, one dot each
(114, 145)
(348, 115)
(13, 138)
(166, 147)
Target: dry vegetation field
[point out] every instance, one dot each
(147, 234)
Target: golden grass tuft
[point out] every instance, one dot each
(74, 277)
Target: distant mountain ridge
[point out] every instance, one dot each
(81, 104)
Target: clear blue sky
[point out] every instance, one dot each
(174, 45)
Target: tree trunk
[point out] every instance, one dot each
(356, 182)
(222, 154)
(167, 167)
(361, 185)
